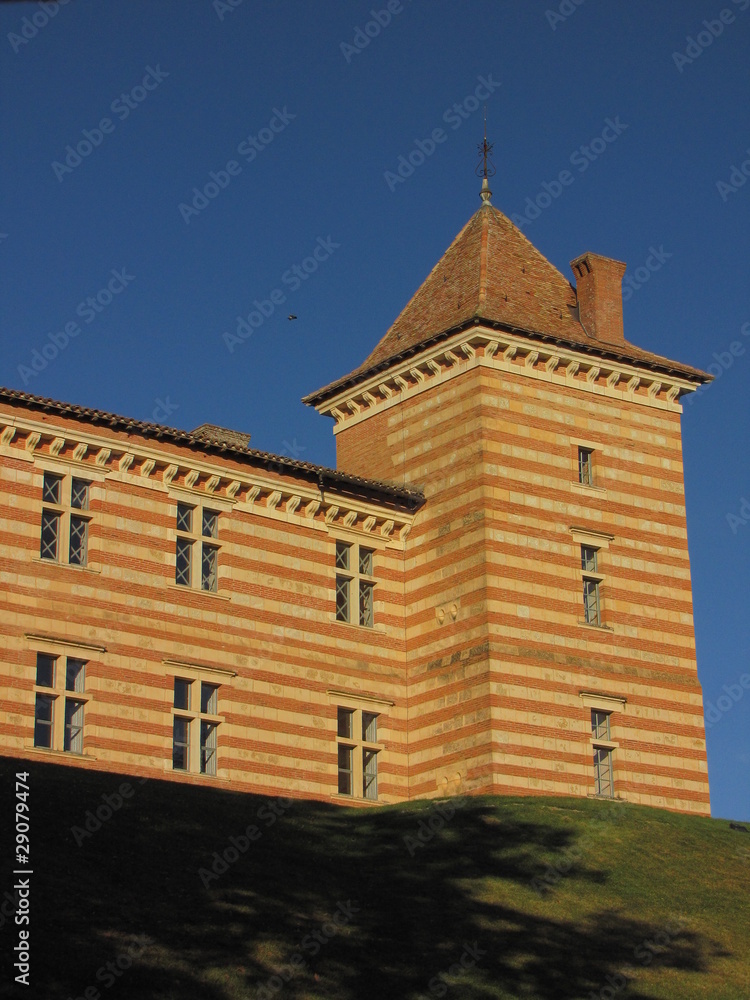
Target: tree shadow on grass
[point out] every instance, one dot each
(323, 902)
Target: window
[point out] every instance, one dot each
(58, 715)
(586, 466)
(591, 580)
(196, 548)
(600, 725)
(354, 583)
(195, 723)
(43, 721)
(65, 521)
(603, 774)
(357, 748)
(601, 711)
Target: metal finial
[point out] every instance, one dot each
(486, 167)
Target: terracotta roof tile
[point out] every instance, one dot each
(213, 434)
(233, 444)
(491, 273)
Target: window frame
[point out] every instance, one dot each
(586, 466)
(202, 549)
(72, 518)
(360, 777)
(63, 700)
(352, 581)
(601, 708)
(604, 772)
(590, 577)
(200, 747)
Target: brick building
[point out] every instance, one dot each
(490, 594)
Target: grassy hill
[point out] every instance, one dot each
(478, 899)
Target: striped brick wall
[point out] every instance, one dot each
(497, 655)
(269, 636)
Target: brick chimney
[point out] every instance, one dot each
(599, 291)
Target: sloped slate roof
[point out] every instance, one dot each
(492, 274)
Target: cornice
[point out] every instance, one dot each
(508, 353)
(256, 491)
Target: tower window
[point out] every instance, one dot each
(357, 750)
(603, 754)
(355, 586)
(586, 466)
(591, 580)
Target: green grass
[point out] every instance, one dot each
(551, 896)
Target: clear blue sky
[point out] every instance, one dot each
(313, 127)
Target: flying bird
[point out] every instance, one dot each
(290, 316)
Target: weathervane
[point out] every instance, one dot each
(486, 167)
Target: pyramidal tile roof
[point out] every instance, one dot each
(491, 272)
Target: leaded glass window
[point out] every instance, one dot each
(78, 552)
(603, 771)
(210, 568)
(183, 558)
(591, 610)
(50, 536)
